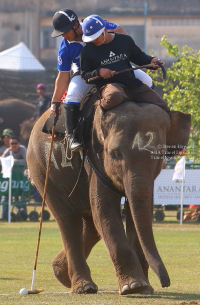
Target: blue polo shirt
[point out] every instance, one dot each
(69, 52)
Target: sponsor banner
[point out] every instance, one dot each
(20, 184)
(168, 191)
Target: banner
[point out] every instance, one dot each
(168, 191)
(20, 184)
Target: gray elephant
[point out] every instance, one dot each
(13, 112)
(125, 147)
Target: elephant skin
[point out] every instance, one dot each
(128, 139)
(124, 144)
(73, 214)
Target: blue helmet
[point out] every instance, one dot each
(93, 26)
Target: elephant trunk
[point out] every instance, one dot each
(139, 191)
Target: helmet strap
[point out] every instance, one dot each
(75, 29)
(104, 36)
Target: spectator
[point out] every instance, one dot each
(43, 102)
(19, 155)
(18, 151)
(6, 138)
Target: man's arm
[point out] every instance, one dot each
(119, 29)
(61, 84)
(137, 56)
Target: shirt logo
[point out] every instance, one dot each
(59, 60)
(111, 54)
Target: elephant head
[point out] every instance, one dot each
(132, 141)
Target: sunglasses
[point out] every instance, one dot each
(14, 143)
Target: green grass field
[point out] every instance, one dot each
(179, 248)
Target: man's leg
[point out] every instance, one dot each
(112, 95)
(144, 94)
(76, 92)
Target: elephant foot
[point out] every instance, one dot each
(134, 287)
(147, 291)
(89, 288)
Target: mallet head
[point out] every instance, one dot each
(24, 291)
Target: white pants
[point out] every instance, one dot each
(78, 88)
(145, 78)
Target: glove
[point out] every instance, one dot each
(53, 109)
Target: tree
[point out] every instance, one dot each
(182, 88)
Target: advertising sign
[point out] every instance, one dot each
(168, 191)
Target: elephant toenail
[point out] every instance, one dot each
(88, 288)
(125, 288)
(135, 285)
(79, 290)
(144, 283)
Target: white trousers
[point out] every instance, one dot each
(78, 88)
(145, 78)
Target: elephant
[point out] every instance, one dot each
(25, 130)
(125, 148)
(13, 112)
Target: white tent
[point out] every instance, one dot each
(19, 58)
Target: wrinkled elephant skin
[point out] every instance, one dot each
(73, 215)
(126, 139)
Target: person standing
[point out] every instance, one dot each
(43, 102)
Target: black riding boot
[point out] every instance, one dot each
(72, 112)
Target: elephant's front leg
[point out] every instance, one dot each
(107, 218)
(60, 264)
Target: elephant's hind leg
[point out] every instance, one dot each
(60, 264)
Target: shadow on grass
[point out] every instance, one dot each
(169, 295)
(9, 279)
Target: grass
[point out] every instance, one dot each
(179, 248)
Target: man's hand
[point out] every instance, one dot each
(53, 109)
(106, 73)
(154, 60)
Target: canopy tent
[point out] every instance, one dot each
(19, 58)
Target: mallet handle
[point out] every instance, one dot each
(126, 70)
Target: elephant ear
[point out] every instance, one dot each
(179, 132)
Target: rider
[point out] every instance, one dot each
(109, 53)
(66, 24)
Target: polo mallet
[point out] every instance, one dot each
(36, 291)
(149, 66)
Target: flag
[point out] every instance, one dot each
(7, 164)
(179, 169)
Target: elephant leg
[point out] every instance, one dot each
(134, 242)
(60, 264)
(107, 219)
(71, 227)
